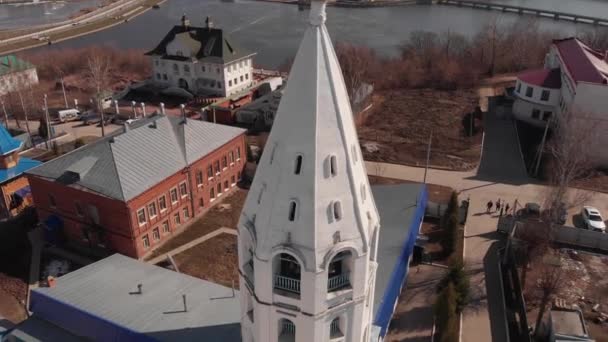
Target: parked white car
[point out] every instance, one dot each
(593, 219)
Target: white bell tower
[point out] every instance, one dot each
(309, 229)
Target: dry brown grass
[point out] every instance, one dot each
(402, 121)
(215, 260)
(213, 219)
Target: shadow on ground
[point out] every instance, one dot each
(495, 296)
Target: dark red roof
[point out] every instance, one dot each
(582, 62)
(546, 78)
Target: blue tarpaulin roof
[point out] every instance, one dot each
(7, 142)
(23, 165)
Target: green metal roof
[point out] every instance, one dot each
(10, 63)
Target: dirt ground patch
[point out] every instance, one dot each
(213, 219)
(402, 120)
(437, 193)
(215, 260)
(585, 285)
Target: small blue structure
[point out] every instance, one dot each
(16, 193)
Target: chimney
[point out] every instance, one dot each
(143, 110)
(51, 281)
(116, 110)
(162, 108)
(133, 109)
(183, 108)
(208, 23)
(185, 21)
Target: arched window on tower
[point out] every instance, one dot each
(333, 166)
(287, 274)
(337, 209)
(338, 274)
(298, 165)
(293, 210)
(335, 330)
(287, 330)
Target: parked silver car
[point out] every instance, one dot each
(593, 219)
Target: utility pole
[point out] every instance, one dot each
(542, 148)
(428, 156)
(65, 98)
(48, 122)
(101, 115)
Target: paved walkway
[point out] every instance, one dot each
(501, 157)
(480, 322)
(192, 244)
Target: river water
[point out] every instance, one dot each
(23, 15)
(274, 30)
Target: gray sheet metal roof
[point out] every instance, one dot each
(396, 205)
(102, 289)
(127, 163)
(210, 44)
(35, 329)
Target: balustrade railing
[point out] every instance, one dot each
(287, 284)
(337, 282)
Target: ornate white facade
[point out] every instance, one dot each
(202, 60)
(309, 228)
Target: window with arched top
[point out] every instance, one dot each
(338, 273)
(333, 166)
(337, 210)
(335, 329)
(287, 275)
(293, 210)
(298, 165)
(287, 330)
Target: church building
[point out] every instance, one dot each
(322, 255)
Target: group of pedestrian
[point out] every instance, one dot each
(500, 205)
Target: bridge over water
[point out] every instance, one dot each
(527, 11)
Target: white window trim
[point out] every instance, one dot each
(145, 218)
(144, 243)
(180, 185)
(148, 207)
(160, 209)
(177, 192)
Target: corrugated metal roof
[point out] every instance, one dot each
(8, 144)
(210, 44)
(396, 205)
(35, 329)
(102, 289)
(127, 163)
(583, 63)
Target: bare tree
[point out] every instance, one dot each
(573, 137)
(596, 38)
(98, 72)
(60, 74)
(354, 62)
(550, 284)
(533, 241)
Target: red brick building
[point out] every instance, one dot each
(133, 189)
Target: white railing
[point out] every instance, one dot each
(288, 328)
(287, 284)
(337, 282)
(334, 329)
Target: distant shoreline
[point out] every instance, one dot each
(357, 4)
(82, 30)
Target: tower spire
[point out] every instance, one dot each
(308, 230)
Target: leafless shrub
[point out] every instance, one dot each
(573, 138)
(550, 283)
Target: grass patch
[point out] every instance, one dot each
(213, 219)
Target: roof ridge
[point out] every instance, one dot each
(122, 191)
